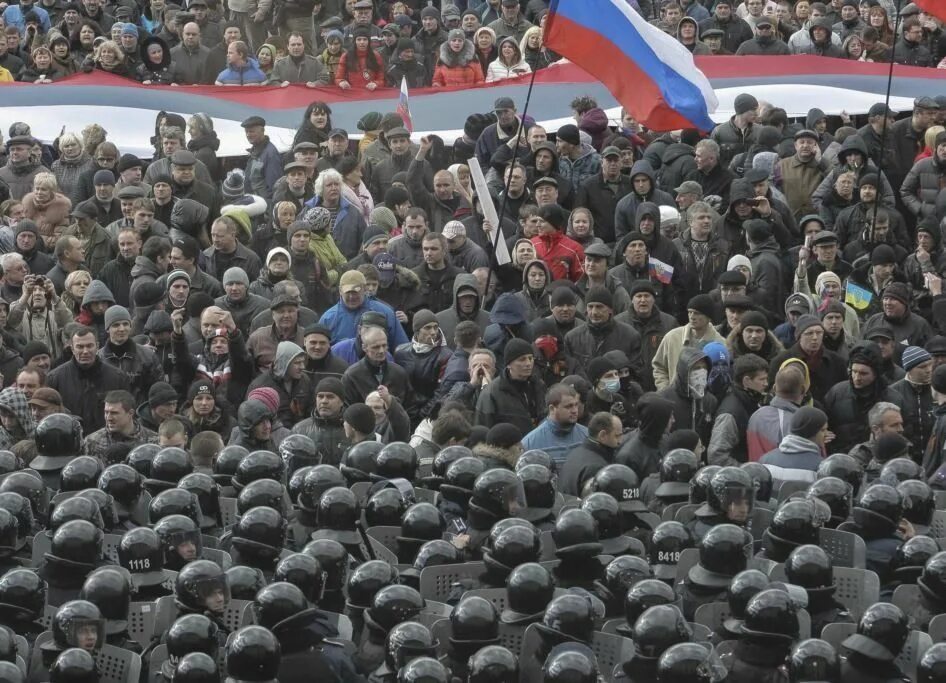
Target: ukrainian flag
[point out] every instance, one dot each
(858, 297)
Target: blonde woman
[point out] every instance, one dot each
(108, 57)
(77, 282)
(46, 205)
(73, 161)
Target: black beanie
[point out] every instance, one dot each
(808, 421)
(360, 417)
(516, 348)
(331, 385)
(754, 319)
(554, 214)
(890, 446)
(597, 367)
(600, 295)
(33, 349)
(503, 435)
(562, 296)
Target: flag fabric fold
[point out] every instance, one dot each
(403, 107)
(935, 7)
(650, 73)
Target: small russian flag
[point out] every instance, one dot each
(403, 107)
(659, 270)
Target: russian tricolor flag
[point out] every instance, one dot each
(649, 72)
(935, 7)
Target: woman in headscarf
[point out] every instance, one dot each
(204, 143)
(16, 420)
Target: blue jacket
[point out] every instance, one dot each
(263, 169)
(13, 16)
(349, 228)
(551, 439)
(248, 74)
(343, 322)
(347, 350)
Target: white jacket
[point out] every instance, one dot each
(497, 71)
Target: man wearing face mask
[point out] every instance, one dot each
(693, 405)
(916, 399)
(602, 333)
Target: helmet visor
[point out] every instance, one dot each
(737, 503)
(88, 634)
(512, 498)
(712, 669)
(214, 594)
(187, 544)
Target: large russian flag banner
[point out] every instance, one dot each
(649, 72)
(935, 7)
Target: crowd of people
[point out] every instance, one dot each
(628, 422)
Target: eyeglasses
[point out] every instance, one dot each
(105, 158)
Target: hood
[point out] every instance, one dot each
(158, 321)
(689, 20)
(250, 414)
(648, 209)
(740, 189)
(792, 444)
(508, 310)
(145, 266)
(512, 41)
(465, 281)
(452, 59)
(853, 143)
(814, 114)
(97, 291)
(826, 24)
(593, 121)
(540, 263)
(285, 352)
(642, 167)
(165, 55)
(676, 151)
(689, 356)
(504, 455)
(654, 414)
(868, 353)
(14, 400)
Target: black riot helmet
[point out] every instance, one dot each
(190, 633)
(253, 654)
(181, 541)
(207, 492)
(447, 456)
(881, 632)
(22, 594)
(474, 619)
(109, 589)
(77, 544)
(22, 511)
(28, 484)
(919, 502)
(303, 571)
(462, 474)
(278, 602)
(244, 582)
(622, 483)
(645, 594)
(122, 482)
(75, 508)
(771, 615)
(810, 567)
(932, 580)
(493, 664)
(435, 553)
(333, 558)
(911, 557)
(576, 534)
(899, 470)
(422, 521)
(225, 466)
(395, 604)
(535, 456)
(58, 436)
(622, 573)
(9, 531)
(722, 556)
(367, 579)
(141, 457)
(10, 672)
(359, 462)
(539, 485)
(10, 462)
(699, 484)
(606, 513)
(169, 466)
(677, 468)
(796, 522)
(319, 479)
(385, 508)
(499, 492)
(78, 623)
(690, 663)
(529, 589)
(762, 478)
(667, 543)
(261, 531)
(814, 660)
(571, 616)
(423, 670)
(396, 460)
(298, 450)
(744, 586)
(106, 506)
(843, 466)
(263, 492)
(196, 667)
(570, 663)
(408, 641)
(657, 629)
(80, 473)
(259, 465)
(732, 493)
(503, 524)
(879, 510)
(338, 514)
(175, 501)
(932, 665)
(837, 494)
(295, 482)
(141, 552)
(202, 586)
(74, 665)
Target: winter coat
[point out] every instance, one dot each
(795, 459)
(361, 378)
(144, 270)
(425, 370)
(45, 327)
(449, 318)
(735, 31)
(432, 294)
(457, 70)
(583, 462)
(348, 228)
(49, 216)
(916, 407)
(922, 185)
(263, 168)
(163, 73)
(342, 321)
(358, 74)
(191, 64)
(847, 410)
(19, 178)
(626, 217)
(248, 74)
(690, 412)
(13, 400)
(414, 71)
(911, 54)
(241, 258)
(701, 279)
(97, 246)
(911, 330)
(68, 172)
(307, 70)
(677, 162)
(799, 181)
(768, 274)
(580, 169)
(666, 360)
(138, 363)
(564, 257)
(586, 342)
(83, 390)
(250, 414)
(244, 311)
(767, 426)
(521, 403)
(295, 396)
(728, 444)
(499, 71)
(826, 188)
(732, 140)
(651, 331)
(601, 199)
(328, 436)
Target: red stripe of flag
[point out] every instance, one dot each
(935, 7)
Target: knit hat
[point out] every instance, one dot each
(554, 214)
(267, 396)
(597, 367)
(600, 295)
(318, 218)
(832, 306)
(26, 225)
(808, 421)
(516, 348)
(869, 179)
(128, 161)
(199, 387)
(360, 417)
(804, 322)
(177, 275)
(456, 33)
(161, 393)
(130, 30)
(757, 230)
(372, 234)
(235, 275)
(890, 446)
(241, 217)
(899, 291)
(825, 277)
(429, 12)
(503, 435)
(370, 121)
(116, 314)
(939, 379)
(331, 385)
(738, 302)
(103, 177)
(421, 318)
(643, 286)
(913, 356)
(883, 254)
(754, 319)
(475, 124)
(148, 294)
(702, 303)
(384, 218)
(316, 328)
(33, 349)
(233, 184)
(563, 296)
(278, 251)
(737, 261)
(569, 133)
(745, 102)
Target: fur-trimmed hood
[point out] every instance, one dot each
(496, 456)
(451, 59)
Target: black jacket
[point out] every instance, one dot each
(690, 412)
(587, 342)
(601, 198)
(916, 407)
(824, 374)
(362, 378)
(519, 403)
(83, 390)
(581, 465)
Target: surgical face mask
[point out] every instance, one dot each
(698, 382)
(612, 385)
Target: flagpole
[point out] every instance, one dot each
(502, 208)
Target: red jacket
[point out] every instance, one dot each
(356, 75)
(563, 255)
(453, 76)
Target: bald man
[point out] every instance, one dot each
(190, 57)
(444, 201)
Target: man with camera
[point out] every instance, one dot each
(39, 314)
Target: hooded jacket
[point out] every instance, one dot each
(250, 414)
(498, 71)
(458, 69)
(696, 47)
(295, 396)
(642, 451)
(601, 199)
(449, 318)
(922, 186)
(163, 73)
(564, 257)
(678, 162)
(795, 459)
(14, 401)
(521, 403)
(626, 216)
(853, 144)
(690, 411)
(588, 341)
(768, 274)
(535, 303)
